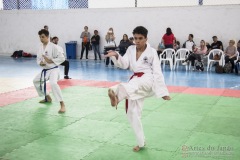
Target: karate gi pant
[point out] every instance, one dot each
(53, 76)
(135, 91)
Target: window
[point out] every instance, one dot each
(49, 4)
(44, 4)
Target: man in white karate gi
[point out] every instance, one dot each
(49, 57)
(66, 62)
(146, 81)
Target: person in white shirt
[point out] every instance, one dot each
(189, 43)
(49, 57)
(66, 62)
(146, 81)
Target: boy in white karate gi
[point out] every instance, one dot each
(146, 81)
(49, 57)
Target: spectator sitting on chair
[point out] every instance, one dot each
(66, 62)
(208, 47)
(231, 54)
(238, 46)
(189, 43)
(124, 44)
(197, 54)
(176, 46)
(238, 61)
(216, 44)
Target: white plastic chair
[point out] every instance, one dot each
(180, 56)
(211, 54)
(235, 61)
(167, 55)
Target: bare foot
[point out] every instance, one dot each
(113, 98)
(62, 109)
(136, 148)
(49, 99)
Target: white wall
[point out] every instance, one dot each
(220, 2)
(19, 28)
(111, 3)
(1, 4)
(154, 3)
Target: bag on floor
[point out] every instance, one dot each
(219, 69)
(227, 67)
(199, 66)
(216, 57)
(17, 54)
(26, 54)
(90, 47)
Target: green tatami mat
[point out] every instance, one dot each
(189, 127)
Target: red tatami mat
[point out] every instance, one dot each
(205, 91)
(17, 96)
(24, 94)
(87, 83)
(231, 93)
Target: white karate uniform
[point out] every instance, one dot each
(60, 49)
(149, 84)
(53, 75)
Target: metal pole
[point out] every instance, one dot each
(135, 3)
(200, 2)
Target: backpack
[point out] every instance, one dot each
(227, 67)
(17, 54)
(219, 69)
(26, 54)
(199, 65)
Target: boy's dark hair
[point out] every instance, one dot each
(45, 26)
(43, 31)
(191, 35)
(141, 30)
(54, 38)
